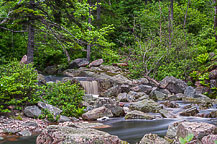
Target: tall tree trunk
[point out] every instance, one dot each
(98, 10)
(169, 29)
(215, 18)
(89, 21)
(171, 9)
(31, 36)
(160, 21)
(186, 13)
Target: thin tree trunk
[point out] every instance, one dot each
(215, 18)
(160, 21)
(89, 21)
(98, 10)
(169, 29)
(31, 36)
(171, 9)
(186, 13)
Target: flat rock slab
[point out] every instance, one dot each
(138, 115)
(153, 139)
(73, 135)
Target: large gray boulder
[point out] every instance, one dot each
(32, 111)
(157, 95)
(120, 79)
(52, 109)
(142, 88)
(54, 134)
(198, 129)
(145, 105)
(138, 115)
(153, 139)
(51, 70)
(173, 84)
(210, 139)
(97, 113)
(189, 112)
(113, 91)
(80, 62)
(189, 91)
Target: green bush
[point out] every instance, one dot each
(17, 85)
(66, 96)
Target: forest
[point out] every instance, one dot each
(155, 38)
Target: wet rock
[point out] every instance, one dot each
(122, 97)
(80, 62)
(189, 91)
(157, 95)
(10, 130)
(173, 84)
(25, 133)
(142, 88)
(113, 91)
(176, 97)
(30, 123)
(199, 130)
(166, 114)
(32, 111)
(190, 112)
(170, 104)
(153, 139)
(97, 113)
(52, 109)
(200, 100)
(210, 139)
(63, 119)
(75, 135)
(133, 96)
(126, 109)
(172, 130)
(96, 63)
(138, 115)
(213, 83)
(116, 110)
(145, 106)
(51, 70)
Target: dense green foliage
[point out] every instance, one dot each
(66, 96)
(17, 85)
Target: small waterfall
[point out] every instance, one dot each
(90, 87)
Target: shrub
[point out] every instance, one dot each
(17, 85)
(66, 96)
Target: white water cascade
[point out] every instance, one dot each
(90, 87)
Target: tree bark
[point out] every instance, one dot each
(169, 29)
(98, 10)
(89, 22)
(31, 36)
(215, 18)
(171, 9)
(160, 20)
(186, 13)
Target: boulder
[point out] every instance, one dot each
(122, 97)
(96, 63)
(138, 115)
(189, 112)
(189, 91)
(80, 62)
(134, 96)
(25, 133)
(120, 79)
(113, 91)
(125, 88)
(157, 95)
(142, 88)
(51, 70)
(142, 81)
(172, 130)
(210, 139)
(63, 119)
(145, 105)
(170, 104)
(173, 84)
(166, 114)
(30, 124)
(198, 129)
(52, 109)
(176, 97)
(32, 111)
(153, 139)
(75, 135)
(213, 74)
(117, 111)
(97, 113)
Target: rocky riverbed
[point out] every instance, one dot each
(121, 101)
